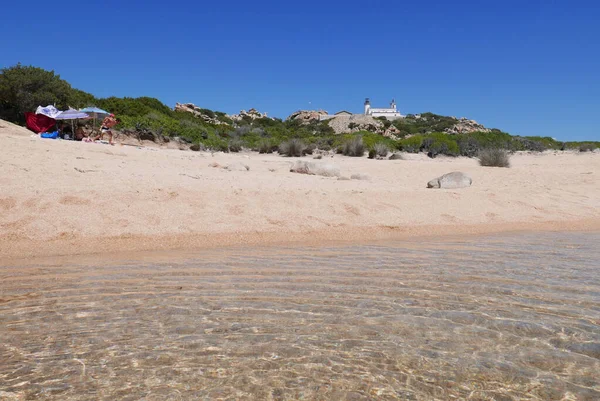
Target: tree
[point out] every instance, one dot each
(24, 88)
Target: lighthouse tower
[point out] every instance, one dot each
(393, 104)
(367, 106)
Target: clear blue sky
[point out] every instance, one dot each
(528, 67)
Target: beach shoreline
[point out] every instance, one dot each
(152, 248)
(72, 198)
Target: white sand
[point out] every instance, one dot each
(63, 197)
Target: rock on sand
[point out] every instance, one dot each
(312, 168)
(455, 179)
(238, 166)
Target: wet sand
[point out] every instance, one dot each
(502, 317)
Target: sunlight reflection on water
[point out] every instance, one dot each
(497, 317)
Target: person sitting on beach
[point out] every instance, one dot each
(65, 131)
(80, 133)
(106, 128)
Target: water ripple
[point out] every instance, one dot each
(499, 317)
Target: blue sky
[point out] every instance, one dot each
(527, 67)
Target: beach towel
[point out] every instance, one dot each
(49, 135)
(39, 122)
(48, 111)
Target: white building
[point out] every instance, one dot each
(392, 113)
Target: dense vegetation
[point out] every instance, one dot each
(23, 88)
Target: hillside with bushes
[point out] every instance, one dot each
(23, 88)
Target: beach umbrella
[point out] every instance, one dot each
(71, 114)
(95, 113)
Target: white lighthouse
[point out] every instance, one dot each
(392, 113)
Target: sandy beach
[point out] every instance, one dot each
(67, 198)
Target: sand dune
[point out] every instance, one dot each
(62, 197)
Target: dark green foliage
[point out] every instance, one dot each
(208, 113)
(412, 144)
(588, 147)
(494, 157)
(468, 146)
(223, 117)
(380, 149)
(235, 145)
(310, 148)
(372, 153)
(266, 146)
(292, 148)
(241, 131)
(197, 147)
(426, 123)
(354, 147)
(24, 88)
(440, 144)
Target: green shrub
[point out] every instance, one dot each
(292, 148)
(412, 144)
(197, 147)
(208, 113)
(494, 158)
(310, 148)
(235, 145)
(587, 147)
(539, 144)
(241, 131)
(354, 147)
(381, 149)
(468, 145)
(24, 88)
(266, 146)
(440, 144)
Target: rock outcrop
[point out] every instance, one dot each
(307, 116)
(251, 114)
(355, 123)
(465, 126)
(455, 179)
(198, 112)
(392, 133)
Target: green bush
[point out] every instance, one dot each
(235, 145)
(379, 149)
(309, 150)
(412, 144)
(354, 147)
(440, 144)
(292, 148)
(24, 88)
(494, 158)
(266, 146)
(587, 147)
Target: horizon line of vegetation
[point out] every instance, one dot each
(23, 88)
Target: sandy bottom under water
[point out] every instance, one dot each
(504, 317)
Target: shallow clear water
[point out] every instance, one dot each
(489, 318)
